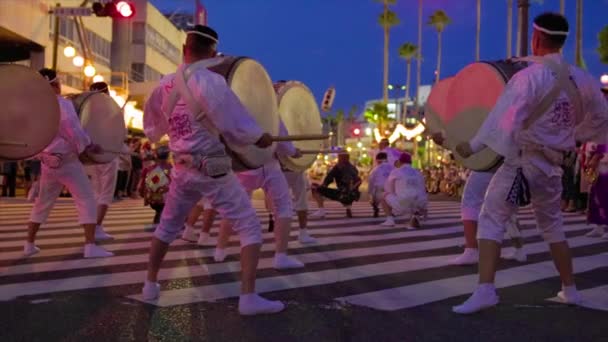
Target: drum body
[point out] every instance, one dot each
(252, 85)
(472, 95)
(30, 114)
(435, 108)
(300, 114)
(103, 120)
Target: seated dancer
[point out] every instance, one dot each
(392, 154)
(103, 179)
(470, 206)
(189, 234)
(61, 167)
(597, 174)
(404, 193)
(154, 184)
(192, 112)
(541, 113)
(270, 178)
(376, 180)
(347, 180)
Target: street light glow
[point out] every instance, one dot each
(69, 51)
(89, 71)
(357, 131)
(78, 61)
(604, 79)
(98, 78)
(368, 131)
(359, 144)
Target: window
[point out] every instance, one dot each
(139, 33)
(156, 41)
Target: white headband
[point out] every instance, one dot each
(46, 77)
(549, 32)
(203, 35)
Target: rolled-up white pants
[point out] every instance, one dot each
(271, 179)
(225, 195)
(70, 174)
(545, 191)
(299, 185)
(405, 206)
(103, 181)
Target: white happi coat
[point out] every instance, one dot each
(377, 179)
(405, 191)
(189, 136)
(392, 155)
(71, 140)
(557, 130)
(271, 179)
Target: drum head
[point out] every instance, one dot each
(252, 85)
(473, 94)
(435, 108)
(30, 115)
(299, 112)
(102, 119)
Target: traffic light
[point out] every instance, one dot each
(356, 131)
(328, 99)
(114, 9)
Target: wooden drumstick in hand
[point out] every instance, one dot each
(300, 137)
(13, 143)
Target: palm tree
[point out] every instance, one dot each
(407, 51)
(578, 54)
(478, 34)
(419, 57)
(387, 20)
(509, 28)
(439, 20)
(377, 114)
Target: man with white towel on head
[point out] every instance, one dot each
(540, 115)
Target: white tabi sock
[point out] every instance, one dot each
(253, 304)
(219, 255)
(569, 295)
(282, 261)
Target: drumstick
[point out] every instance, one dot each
(13, 143)
(300, 137)
(320, 151)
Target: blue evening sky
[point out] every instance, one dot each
(338, 42)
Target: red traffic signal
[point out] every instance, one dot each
(114, 9)
(356, 132)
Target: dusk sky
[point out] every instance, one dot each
(339, 42)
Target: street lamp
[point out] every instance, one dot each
(89, 71)
(604, 79)
(98, 78)
(78, 61)
(69, 51)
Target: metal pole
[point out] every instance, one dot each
(523, 6)
(56, 39)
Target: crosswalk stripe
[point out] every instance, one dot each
(433, 291)
(593, 298)
(352, 249)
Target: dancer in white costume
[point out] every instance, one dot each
(189, 111)
(270, 178)
(103, 179)
(404, 193)
(543, 110)
(61, 167)
(299, 185)
(377, 179)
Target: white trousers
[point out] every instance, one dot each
(545, 191)
(225, 195)
(103, 181)
(406, 206)
(71, 174)
(271, 179)
(299, 185)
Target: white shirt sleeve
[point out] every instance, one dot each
(70, 127)
(155, 122)
(225, 110)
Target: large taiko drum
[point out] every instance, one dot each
(103, 120)
(435, 108)
(29, 115)
(300, 114)
(252, 85)
(472, 95)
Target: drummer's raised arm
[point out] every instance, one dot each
(226, 111)
(70, 127)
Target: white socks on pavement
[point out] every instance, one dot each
(252, 304)
(518, 254)
(390, 222)
(100, 234)
(305, 238)
(30, 249)
(219, 255)
(470, 256)
(320, 213)
(91, 250)
(484, 297)
(569, 295)
(596, 232)
(151, 290)
(189, 234)
(283, 262)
